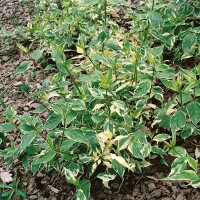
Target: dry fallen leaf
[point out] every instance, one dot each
(53, 189)
(6, 177)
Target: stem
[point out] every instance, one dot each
(105, 20)
(153, 68)
(107, 104)
(115, 68)
(135, 77)
(153, 4)
(73, 80)
(62, 136)
(181, 97)
(105, 15)
(90, 59)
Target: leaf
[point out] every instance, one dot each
(178, 165)
(36, 55)
(6, 127)
(142, 89)
(187, 131)
(158, 151)
(193, 110)
(98, 106)
(56, 55)
(197, 153)
(120, 169)
(113, 46)
(21, 193)
(80, 50)
(6, 177)
(71, 115)
(76, 135)
(27, 139)
(46, 156)
(184, 175)
(10, 112)
(23, 67)
(161, 137)
(120, 2)
(90, 2)
(25, 162)
(177, 121)
(195, 183)
(53, 121)
(146, 150)
(155, 19)
(106, 178)
(170, 84)
(135, 148)
(83, 190)
(193, 163)
(189, 41)
(177, 151)
(121, 160)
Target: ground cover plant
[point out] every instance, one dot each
(118, 96)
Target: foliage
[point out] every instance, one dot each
(10, 190)
(118, 98)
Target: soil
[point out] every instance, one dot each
(52, 186)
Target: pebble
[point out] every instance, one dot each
(180, 197)
(102, 195)
(114, 185)
(33, 197)
(5, 58)
(151, 186)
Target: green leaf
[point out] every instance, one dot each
(120, 169)
(146, 150)
(187, 131)
(27, 139)
(106, 178)
(22, 193)
(70, 116)
(189, 41)
(53, 121)
(184, 175)
(120, 2)
(44, 157)
(155, 19)
(158, 151)
(23, 67)
(10, 113)
(83, 190)
(158, 50)
(25, 162)
(193, 163)
(136, 149)
(178, 165)
(170, 84)
(56, 55)
(161, 137)
(193, 110)
(196, 30)
(113, 46)
(6, 127)
(142, 89)
(177, 121)
(177, 151)
(36, 55)
(76, 135)
(195, 183)
(90, 2)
